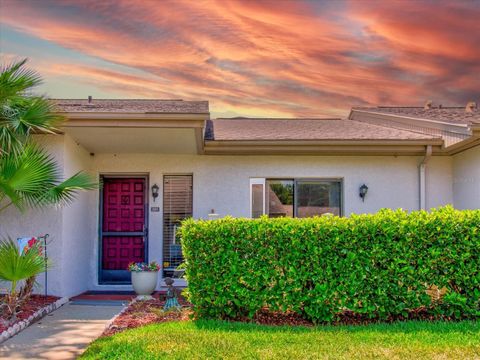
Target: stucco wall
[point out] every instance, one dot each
(79, 226)
(439, 179)
(222, 182)
(39, 222)
(466, 181)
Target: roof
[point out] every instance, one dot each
(144, 106)
(450, 115)
(252, 129)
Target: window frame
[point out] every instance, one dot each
(257, 181)
(264, 182)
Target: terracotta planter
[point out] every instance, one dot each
(144, 282)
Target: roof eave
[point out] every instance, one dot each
(466, 144)
(135, 120)
(454, 127)
(323, 147)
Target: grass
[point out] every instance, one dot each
(223, 340)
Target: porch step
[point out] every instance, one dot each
(99, 302)
(109, 297)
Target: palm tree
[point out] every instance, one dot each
(29, 176)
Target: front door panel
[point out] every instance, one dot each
(124, 231)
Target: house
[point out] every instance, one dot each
(160, 161)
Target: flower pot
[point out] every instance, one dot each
(144, 283)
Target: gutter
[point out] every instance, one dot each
(423, 177)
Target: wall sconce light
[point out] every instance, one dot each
(155, 189)
(363, 191)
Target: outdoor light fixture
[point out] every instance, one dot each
(155, 189)
(363, 191)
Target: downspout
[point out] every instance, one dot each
(422, 174)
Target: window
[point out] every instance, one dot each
(257, 196)
(295, 197)
(316, 197)
(279, 198)
(177, 205)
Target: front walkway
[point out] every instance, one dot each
(63, 334)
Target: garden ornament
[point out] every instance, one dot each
(172, 302)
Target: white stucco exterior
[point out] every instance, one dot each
(466, 181)
(79, 228)
(35, 222)
(222, 183)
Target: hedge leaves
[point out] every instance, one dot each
(381, 266)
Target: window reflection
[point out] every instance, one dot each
(279, 198)
(302, 197)
(317, 198)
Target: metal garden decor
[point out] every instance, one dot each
(171, 301)
(25, 243)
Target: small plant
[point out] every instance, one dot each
(20, 270)
(436, 294)
(142, 266)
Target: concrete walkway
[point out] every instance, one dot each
(63, 334)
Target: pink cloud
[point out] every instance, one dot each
(285, 57)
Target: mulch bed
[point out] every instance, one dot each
(142, 313)
(148, 312)
(349, 317)
(35, 303)
(277, 318)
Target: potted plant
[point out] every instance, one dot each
(144, 278)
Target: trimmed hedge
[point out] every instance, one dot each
(379, 266)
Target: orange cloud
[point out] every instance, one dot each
(289, 58)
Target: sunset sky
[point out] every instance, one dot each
(255, 58)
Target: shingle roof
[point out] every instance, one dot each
(451, 115)
(132, 106)
(304, 129)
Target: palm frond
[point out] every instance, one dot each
(22, 114)
(15, 79)
(64, 193)
(15, 267)
(34, 115)
(34, 179)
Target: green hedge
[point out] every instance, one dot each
(379, 266)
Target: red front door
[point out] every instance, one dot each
(124, 229)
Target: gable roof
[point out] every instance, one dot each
(450, 115)
(241, 135)
(261, 129)
(142, 106)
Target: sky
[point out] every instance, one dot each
(251, 58)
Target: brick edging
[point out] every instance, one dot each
(19, 326)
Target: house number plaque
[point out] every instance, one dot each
(155, 209)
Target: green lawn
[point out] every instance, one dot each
(222, 340)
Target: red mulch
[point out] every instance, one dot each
(148, 312)
(35, 303)
(277, 318)
(349, 317)
(142, 313)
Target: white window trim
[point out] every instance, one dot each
(257, 181)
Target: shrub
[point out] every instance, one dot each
(20, 270)
(378, 266)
